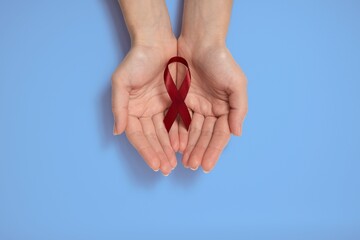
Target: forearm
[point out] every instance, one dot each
(147, 20)
(206, 20)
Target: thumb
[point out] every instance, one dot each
(120, 102)
(238, 109)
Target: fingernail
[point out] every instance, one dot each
(206, 171)
(155, 170)
(114, 130)
(174, 164)
(194, 169)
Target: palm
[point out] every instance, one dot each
(140, 100)
(217, 99)
(208, 95)
(147, 95)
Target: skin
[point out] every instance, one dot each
(217, 97)
(139, 95)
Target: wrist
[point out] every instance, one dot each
(200, 41)
(154, 30)
(198, 35)
(198, 46)
(148, 22)
(205, 22)
(152, 37)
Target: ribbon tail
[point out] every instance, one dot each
(185, 115)
(170, 117)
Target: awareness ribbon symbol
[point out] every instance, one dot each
(177, 97)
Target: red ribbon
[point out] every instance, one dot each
(177, 97)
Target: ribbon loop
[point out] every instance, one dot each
(177, 96)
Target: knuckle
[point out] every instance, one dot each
(133, 134)
(151, 136)
(221, 133)
(218, 148)
(206, 133)
(194, 130)
(200, 148)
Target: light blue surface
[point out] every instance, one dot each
(293, 175)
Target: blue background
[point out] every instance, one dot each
(294, 174)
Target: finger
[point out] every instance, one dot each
(238, 111)
(238, 102)
(120, 101)
(183, 134)
(219, 139)
(164, 139)
(238, 108)
(135, 134)
(201, 145)
(150, 134)
(193, 136)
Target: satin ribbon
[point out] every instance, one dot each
(177, 96)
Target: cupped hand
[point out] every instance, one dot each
(217, 99)
(139, 100)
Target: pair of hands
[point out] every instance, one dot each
(217, 102)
